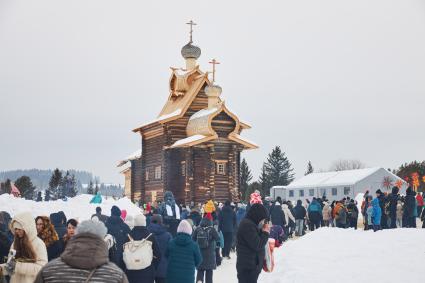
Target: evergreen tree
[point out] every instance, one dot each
(90, 189)
(278, 169)
(96, 187)
(25, 186)
(310, 169)
(73, 190)
(54, 184)
(246, 177)
(47, 195)
(6, 187)
(264, 181)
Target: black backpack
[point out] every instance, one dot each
(202, 237)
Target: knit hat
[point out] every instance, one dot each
(379, 192)
(93, 227)
(140, 220)
(156, 218)
(209, 207)
(184, 227)
(123, 214)
(255, 197)
(115, 211)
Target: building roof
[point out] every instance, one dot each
(334, 178)
(135, 155)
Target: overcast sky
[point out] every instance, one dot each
(323, 79)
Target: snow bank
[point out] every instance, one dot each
(349, 255)
(78, 207)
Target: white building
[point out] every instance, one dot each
(336, 185)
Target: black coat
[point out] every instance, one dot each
(227, 219)
(208, 254)
(57, 220)
(146, 275)
(277, 216)
(55, 249)
(250, 243)
(393, 198)
(409, 203)
(299, 212)
(119, 230)
(162, 237)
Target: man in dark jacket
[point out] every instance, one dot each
(6, 236)
(163, 237)
(353, 214)
(409, 207)
(207, 246)
(85, 259)
(252, 236)
(119, 230)
(227, 224)
(299, 213)
(277, 216)
(138, 233)
(393, 199)
(100, 216)
(60, 227)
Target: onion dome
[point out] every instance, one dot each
(191, 51)
(213, 90)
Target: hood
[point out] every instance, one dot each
(183, 239)
(56, 219)
(27, 222)
(299, 202)
(375, 202)
(409, 191)
(205, 222)
(85, 251)
(257, 212)
(156, 229)
(169, 198)
(395, 190)
(115, 220)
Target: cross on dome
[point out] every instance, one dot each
(214, 62)
(191, 23)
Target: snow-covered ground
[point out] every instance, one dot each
(346, 255)
(78, 207)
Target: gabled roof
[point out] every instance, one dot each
(335, 178)
(135, 155)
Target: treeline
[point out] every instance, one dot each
(41, 178)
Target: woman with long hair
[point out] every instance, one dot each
(28, 253)
(46, 232)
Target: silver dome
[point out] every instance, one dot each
(191, 51)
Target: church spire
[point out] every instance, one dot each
(191, 52)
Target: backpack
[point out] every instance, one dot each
(138, 254)
(202, 238)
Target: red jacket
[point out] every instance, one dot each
(420, 200)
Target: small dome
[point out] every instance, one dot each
(213, 90)
(191, 51)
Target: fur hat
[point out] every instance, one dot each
(184, 227)
(93, 227)
(140, 220)
(115, 211)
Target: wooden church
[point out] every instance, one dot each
(193, 147)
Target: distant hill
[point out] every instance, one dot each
(40, 178)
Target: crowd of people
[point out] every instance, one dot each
(172, 243)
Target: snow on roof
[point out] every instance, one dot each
(187, 140)
(245, 140)
(135, 155)
(203, 113)
(163, 117)
(333, 178)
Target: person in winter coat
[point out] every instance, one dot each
(85, 259)
(100, 216)
(59, 223)
(399, 214)
(195, 216)
(6, 236)
(252, 236)
(409, 207)
(340, 213)
(382, 200)
(393, 200)
(140, 232)
(423, 218)
(289, 219)
(206, 237)
(170, 212)
(119, 230)
(277, 217)
(314, 214)
(299, 214)
(376, 215)
(183, 255)
(31, 253)
(163, 237)
(47, 233)
(353, 214)
(71, 227)
(420, 202)
(327, 214)
(227, 224)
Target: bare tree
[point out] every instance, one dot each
(346, 164)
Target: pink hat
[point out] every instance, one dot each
(184, 227)
(123, 214)
(255, 197)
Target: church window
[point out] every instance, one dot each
(158, 173)
(291, 193)
(183, 168)
(221, 168)
(147, 175)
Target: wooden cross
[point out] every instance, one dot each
(191, 23)
(214, 62)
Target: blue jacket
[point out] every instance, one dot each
(183, 257)
(240, 214)
(376, 212)
(163, 237)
